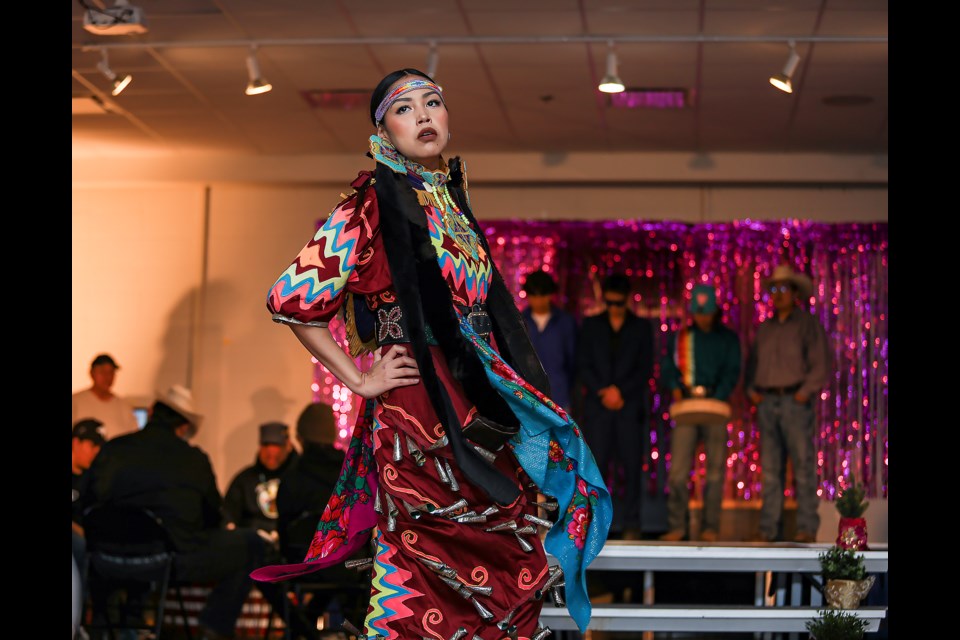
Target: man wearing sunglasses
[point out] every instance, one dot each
(786, 369)
(614, 364)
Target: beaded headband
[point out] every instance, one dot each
(408, 86)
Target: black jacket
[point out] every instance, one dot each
(241, 505)
(630, 371)
(307, 487)
(156, 469)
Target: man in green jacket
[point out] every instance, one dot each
(702, 361)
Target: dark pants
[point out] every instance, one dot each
(226, 559)
(787, 431)
(615, 439)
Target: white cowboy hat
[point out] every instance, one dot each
(784, 273)
(180, 399)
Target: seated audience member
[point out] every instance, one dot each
(308, 486)
(157, 468)
(251, 498)
(98, 401)
(87, 440)
(302, 496)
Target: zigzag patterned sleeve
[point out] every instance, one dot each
(310, 291)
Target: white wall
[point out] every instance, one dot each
(174, 286)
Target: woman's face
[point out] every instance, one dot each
(416, 124)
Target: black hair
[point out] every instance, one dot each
(377, 96)
(617, 283)
(540, 283)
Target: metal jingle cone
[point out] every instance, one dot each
(504, 624)
(538, 521)
(489, 511)
(484, 591)
(474, 517)
(459, 633)
(414, 450)
(439, 567)
(377, 506)
(489, 455)
(485, 613)
(441, 471)
(456, 585)
(541, 633)
(509, 524)
(526, 546)
(557, 594)
(442, 442)
(549, 505)
(397, 451)
(357, 563)
(459, 504)
(391, 506)
(453, 480)
(512, 632)
(526, 530)
(413, 512)
(555, 574)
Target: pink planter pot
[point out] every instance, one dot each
(852, 534)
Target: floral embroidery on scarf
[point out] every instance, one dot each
(578, 513)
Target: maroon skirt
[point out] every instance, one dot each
(438, 567)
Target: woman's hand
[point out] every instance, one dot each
(393, 369)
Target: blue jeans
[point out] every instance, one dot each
(683, 446)
(786, 430)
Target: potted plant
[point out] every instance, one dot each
(852, 530)
(836, 625)
(845, 578)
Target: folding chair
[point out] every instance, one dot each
(129, 559)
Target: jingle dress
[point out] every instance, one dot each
(447, 561)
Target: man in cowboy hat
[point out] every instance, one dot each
(157, 468)
(786, 369)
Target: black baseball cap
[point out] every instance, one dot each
(274, 433)
(89, 429)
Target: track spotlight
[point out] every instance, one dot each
(433, 58)
(611, 82)
(119, 83)
(784, 79)
(257, 83)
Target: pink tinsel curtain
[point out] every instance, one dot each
(848, 264)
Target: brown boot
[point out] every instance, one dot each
(674, 536)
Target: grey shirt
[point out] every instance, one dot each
(787, 353)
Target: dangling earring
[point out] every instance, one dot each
(449, 135)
